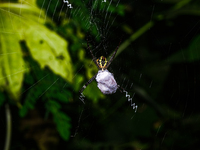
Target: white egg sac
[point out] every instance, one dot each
(106, 82)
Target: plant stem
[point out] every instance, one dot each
(8, 131)
(133, 37)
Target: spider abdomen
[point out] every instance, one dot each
(106, 82)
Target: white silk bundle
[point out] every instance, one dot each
(106, 82)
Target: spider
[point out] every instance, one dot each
(106, 81)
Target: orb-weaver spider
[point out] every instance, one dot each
(105, 79)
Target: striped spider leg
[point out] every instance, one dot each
(86, 84)
(113, 56)
(93, 57)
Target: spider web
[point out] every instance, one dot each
(101, 21)
(101, 24)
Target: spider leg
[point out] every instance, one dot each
(86, 84)
(93, 57)
(113, 56)
(121, 89)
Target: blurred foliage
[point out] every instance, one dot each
(44, 61)
(25, 37)
(49, 48)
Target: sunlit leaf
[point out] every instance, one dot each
(11, 63)
(24, 22)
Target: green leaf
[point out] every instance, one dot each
(61, 120)
(11, 63)
(91, 68)
(62, 124)
(188, 55)
(61, 96)
(2, 98)
(31, 98)
(194, 50)
(92, 92)
(78, 82)
(23, 22)
(53, 106)
(177, 57)
(23, 111)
